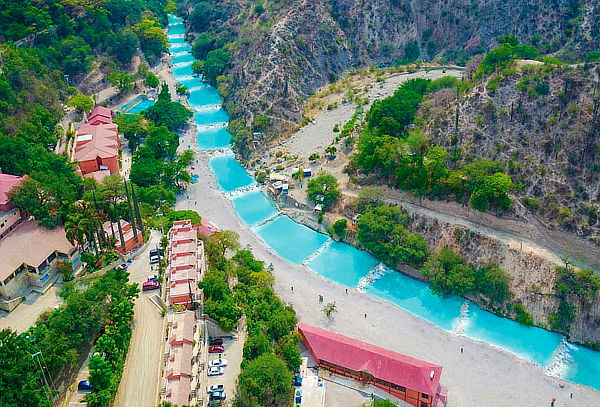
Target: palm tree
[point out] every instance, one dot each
(75, 231)
(299, 176)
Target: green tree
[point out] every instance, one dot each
(81, 102)
(266, 379)
(260, 122)
(120, 80)
(493, 282)
(203, 45)
(151, 80)
(226, 240)
(449, 274)
(256, 345)
(21, 383)
(340, 227)
(287, 349)
(171, 114)
(215, 64)
(382, 231)
(324, 189)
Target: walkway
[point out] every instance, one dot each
(140, 383)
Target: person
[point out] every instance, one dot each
(462, 349)
(346, 291)
(292, 288)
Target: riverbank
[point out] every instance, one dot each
(472, 376)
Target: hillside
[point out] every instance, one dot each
(286, 50)
(542, 123)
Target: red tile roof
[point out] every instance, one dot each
(100, 114)
(8, 182)
(96, 141)
(383, 364)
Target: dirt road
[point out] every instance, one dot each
(140, 383)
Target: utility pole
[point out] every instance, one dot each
(36, 357)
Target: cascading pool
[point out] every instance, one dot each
(357, 269)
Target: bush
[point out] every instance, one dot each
(339, 227)
(449, 274)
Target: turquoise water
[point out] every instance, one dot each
(292, 241)
(211, 116)
(417, 298)
(347, 265)
(140, 107)
(211, 139)
(253, 208)
(204, 96)
(531, 343)
(343, 263)
(182, 58)
(182, 71)
(584, 367)
(230, 174)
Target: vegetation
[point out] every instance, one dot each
(403, 156)
(324, 189)
(448, 273)
(382, 230)
(573, 288)
(165, 112)
(242, 285)
(62, 343)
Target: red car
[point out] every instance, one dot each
(150, 285)
(216, 349)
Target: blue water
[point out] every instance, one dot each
(140, 107)
(230, 174)
(417, 298)
(182, 71)
(293, 242)
(253, 208)
(211, 139)
(182, 58)
(343, 263)
(204, 96)
(347, 265)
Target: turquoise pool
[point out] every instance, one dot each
(293, 242)
(230, 174)
(141, 106)
(253, 208)
(343, 263)
(211, 139)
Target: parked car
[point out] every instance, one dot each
(85, 385)
(297, 381)
(152, 277)
(150, 285)
(215, 387)
(216, 349)
(298, 397)
(218, 362)
(215, 371)
(215, 341)
(122, 266)
(154, 259)
(217, 395)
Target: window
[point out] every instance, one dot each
(423, 404)
(425, 396)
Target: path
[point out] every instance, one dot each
(553, 245)
(140, 383)
(26, 313)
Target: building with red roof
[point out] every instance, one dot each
(100, 115)
(207, 228)
(97, 148)
(412, 380)
(131, 240)
(7, 182)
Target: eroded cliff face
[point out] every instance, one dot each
(533, 276)
(285, 54)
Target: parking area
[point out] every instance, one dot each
(233, 351)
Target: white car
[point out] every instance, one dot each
(215, 371)
(218, 363)
(154, 259)
(215, 387)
